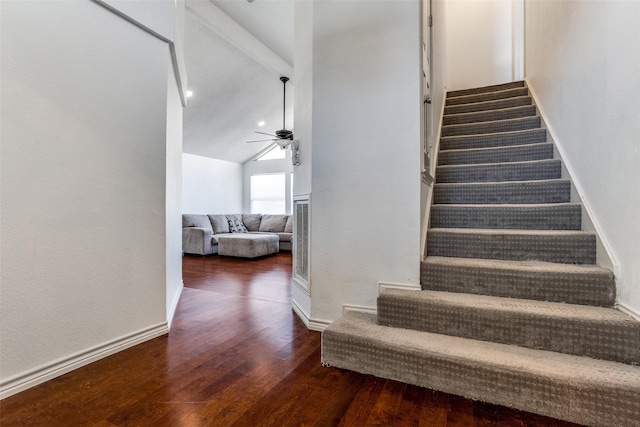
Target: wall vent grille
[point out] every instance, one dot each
(301, 243)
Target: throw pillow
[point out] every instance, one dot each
(237, 226)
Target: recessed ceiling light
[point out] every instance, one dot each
(261, 123)
(189, 94)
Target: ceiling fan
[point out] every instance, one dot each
(282, 137)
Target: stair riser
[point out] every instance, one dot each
(485, 89)
(486, 116)
(492, 127)
(532, 136)
(551, 169)
(524, 389)
(618, 342)
(570, 288)
(489, 105)
(558, 191)
(490, 96)
(568, 249)
(520, 153)
(494, 217)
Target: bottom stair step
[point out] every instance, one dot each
(572, 388)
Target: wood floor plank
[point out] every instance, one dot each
(384, 411)
(410, 409)
(460, 412)
(436, 407)
(238, 355)
(363, 403)
(339, 399)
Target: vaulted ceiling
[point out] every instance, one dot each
(235, 52)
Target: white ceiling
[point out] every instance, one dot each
(232, 90)
(270, 21)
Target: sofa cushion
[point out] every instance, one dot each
(273, 223)
(283, 235)
(252, 221)
(288, 228)
(234, 217)
(220, 223)
(237, 226)
(196, 220)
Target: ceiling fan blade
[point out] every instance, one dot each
(260, 140)
(263, 133)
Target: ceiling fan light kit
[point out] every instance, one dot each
(284, 137)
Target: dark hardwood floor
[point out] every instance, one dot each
(237, 355)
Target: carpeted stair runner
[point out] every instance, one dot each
(574, 388)
(513, 309)
(542, 281)
(548, 191)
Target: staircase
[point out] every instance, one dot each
(513, 310)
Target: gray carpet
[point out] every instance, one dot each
(513, 309)
(501, 139)
(488, 115)
(547, 191)
(489, 105)
(516, 153)
(535, 280)
(573, 388)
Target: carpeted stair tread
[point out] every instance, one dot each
(556, 216)
(500, 172)
(485, 116)
(573, 388)
(489, 105)
(486, 96)
(540, 191)
(494, 126)
(536, 280)
(513, 153)
(602, 333)
(483, 89)
(498, 139)
(570, 247)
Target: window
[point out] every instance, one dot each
(275, 153)
(268, 193)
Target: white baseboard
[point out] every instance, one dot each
(311, 324)
(300, 313)
(174, 304)
(359, 308)
(401, 286)
(628, 310)
(318, 324)
(33, 377)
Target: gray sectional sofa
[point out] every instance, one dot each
(201, 234)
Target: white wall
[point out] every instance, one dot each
(479, 43)
(211, 186)
(303, 117)
(253, 167)
(173, 196)
(365, 210)
(583, 63)
(303, 95)
(83, 213)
